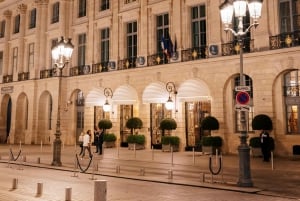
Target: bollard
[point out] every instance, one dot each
(203, 177)
(118, 169)
(15, 183)
(194, 156)
(24, 158)
(100, 190)
(38, 161)
(142, 172)
(39, 190)
(68, 194)
(170, 174)
(0, 157)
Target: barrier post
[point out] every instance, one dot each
(100, 191)
(68, 196)
(39, 190)
(172, 155)
(193, 155)
(15, 183)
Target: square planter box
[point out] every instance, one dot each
(167, 147)
(137, 146)
(256, 152)
(210, 149)
(109, 144)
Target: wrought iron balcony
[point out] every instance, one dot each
(233, 47)
(285, 40)
(127, 63)
(7, 78)
(291, 91)
(23, 76)
(80, 70)
(100, 67)
(157, 59)
(194, 53)
(47, 73)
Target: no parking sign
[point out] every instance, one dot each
(242, 97)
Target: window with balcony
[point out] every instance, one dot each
(15, 58)
(1, 62)
(81, 49)
(30, 56)
(198, 26)
(32, 19)
(2, 29)
(17, 24)
(250, 113)
(163, 36)
(55, 12)
(104, 46)
(131, 43)
(289, 15)
(292, 101)
(82, 8)
(104, 5)
(129, 1)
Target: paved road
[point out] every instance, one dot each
(281, 183)
(55, 183)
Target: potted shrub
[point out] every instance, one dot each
(137, 141)
(264, 123)
(109, 140)
(166, 140)
(133, 124)
(211, 143)
(170, 141)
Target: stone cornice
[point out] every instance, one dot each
(22, 8)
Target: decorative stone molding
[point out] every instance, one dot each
(7, 13)
(22, 8)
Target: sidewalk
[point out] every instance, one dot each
(184, 168)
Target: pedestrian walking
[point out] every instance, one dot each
(87, 143)
(96, 138)
(80, 142)
(100, 142)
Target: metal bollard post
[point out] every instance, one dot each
(15, 183)
(68, 196)
(142, 172)
(39, 190)
(170, 174)
(100, 190)
(38, 161)
(118, 169)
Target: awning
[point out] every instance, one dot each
(193, 90)
(125, 95)
(95, 97)
(155, 93)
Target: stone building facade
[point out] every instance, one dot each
(133, 48)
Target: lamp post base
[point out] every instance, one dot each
(244, 164)
(56, 153)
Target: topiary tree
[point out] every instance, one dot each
(134, 123)
(262, 122)
(105, 124)
(168, 124)
(209, 123)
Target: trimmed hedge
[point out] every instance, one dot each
(215, 141)
(110, 137)
(172, 140)
(137, 139)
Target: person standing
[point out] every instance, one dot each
(87, 143)
(265, 145)
(100, 142)
(96, 138)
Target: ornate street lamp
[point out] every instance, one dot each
(238, 8)
(61, 54)
(171, 88)
(107, 93)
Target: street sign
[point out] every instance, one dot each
(242, 88)
(242, 98)
(242, 107)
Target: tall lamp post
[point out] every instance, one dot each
(61, 54)
(238, 8)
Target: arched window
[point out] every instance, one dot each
(249, 113)
(292, 101)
